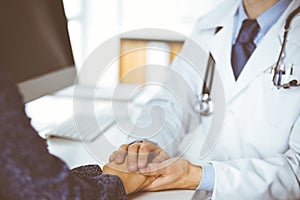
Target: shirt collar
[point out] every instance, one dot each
(268, 18)
(265, 21)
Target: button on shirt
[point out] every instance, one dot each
(265, 21)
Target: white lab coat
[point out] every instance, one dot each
(257, 155)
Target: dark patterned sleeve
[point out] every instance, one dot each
(28, 171)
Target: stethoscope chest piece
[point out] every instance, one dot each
(204, 106)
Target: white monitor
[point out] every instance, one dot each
(35, 46)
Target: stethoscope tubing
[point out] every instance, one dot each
(287, 28)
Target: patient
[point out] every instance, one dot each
(132, 181)
(28, 171)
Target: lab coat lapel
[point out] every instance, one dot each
(263, 58)
(221, 51)
(220, 46)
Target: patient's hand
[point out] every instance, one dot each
(132, 181)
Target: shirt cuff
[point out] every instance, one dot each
(208, 178)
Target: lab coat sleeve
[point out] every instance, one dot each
(271, 178)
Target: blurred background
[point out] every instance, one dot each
(45, 44)
(91, 22)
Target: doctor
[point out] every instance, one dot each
(258, 153)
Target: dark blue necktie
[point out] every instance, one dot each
(244, 46)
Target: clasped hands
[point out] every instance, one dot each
(144, 166)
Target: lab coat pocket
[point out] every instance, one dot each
(277, 103)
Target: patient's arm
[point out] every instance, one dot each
(28, 171)
(132, 181)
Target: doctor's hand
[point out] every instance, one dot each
(139, 155)
(175, 173)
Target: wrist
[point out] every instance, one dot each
(194, 176)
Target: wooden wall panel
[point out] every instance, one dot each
(175, 48)
(133, 56)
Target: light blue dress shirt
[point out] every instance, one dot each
(265, 21)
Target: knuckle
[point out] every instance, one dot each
(114, 153)
(156, 152)
(134, 147)
(123, 147)
(144, 148)
(111, 157)
(121, 152)
(150, 144)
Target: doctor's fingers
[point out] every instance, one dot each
(166, 167)
(154, 169)
(146, 153)
(120, 155)
(133, 151)
(161, 157)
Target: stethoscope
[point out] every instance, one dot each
(205, 106)
(279, 70)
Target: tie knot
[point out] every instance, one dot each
(248, 31)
